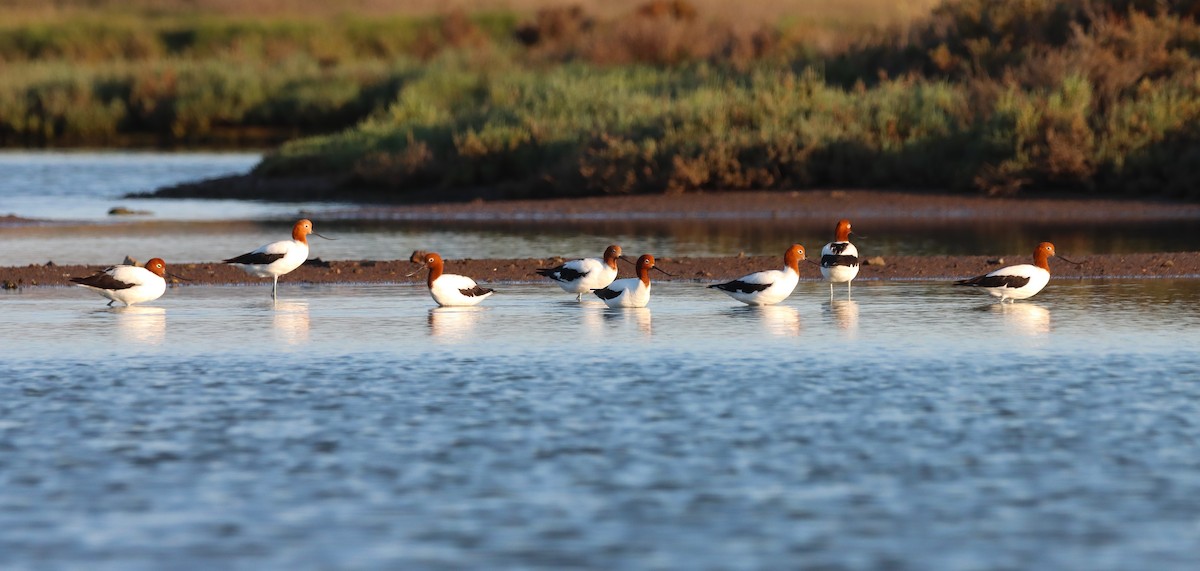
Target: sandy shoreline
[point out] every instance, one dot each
(817, 204)
(816, 207)
(708, 269)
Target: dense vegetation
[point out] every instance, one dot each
(1000, 97)
(175, 80)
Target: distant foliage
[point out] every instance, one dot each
(1083, 94)
(177, 102)
(980, 96)
(662, 32)
(121, 36)
(579, 130)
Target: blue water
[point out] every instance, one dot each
(354, 427)
(86, 185)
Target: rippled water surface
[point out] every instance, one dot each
(353, 427)
(76, 190)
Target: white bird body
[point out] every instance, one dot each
(294, 253)
(452, 290)
(770, 286)
(447, 290)
(277, 258)
(585, 274)
(839, 273)
(128, 284)
(1017, 282)
(1034, 278)
(629, 292)
(839, 259)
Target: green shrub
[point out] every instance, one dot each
(981, 96)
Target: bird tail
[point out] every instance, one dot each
(605, 293)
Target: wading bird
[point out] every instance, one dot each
(630, 292)
(839, 258)
(770, 286)
(278, 258)
(129, 284)
(450, 289)
(1018, 282)
(586, 274)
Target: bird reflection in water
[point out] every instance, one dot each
(845, 314)
(780, 320)
(1024, 318)
(638, 317)
(290, 321)
(592, 319)
(454, 324)
(141, 325)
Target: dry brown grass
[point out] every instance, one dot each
(809, 14)
(662, 32)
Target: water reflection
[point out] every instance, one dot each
(592, 318)
(1024, 318)
(845, 314)
(453, 324)
(290, 321)
(140, 324)
(780, 320)
(631, 317)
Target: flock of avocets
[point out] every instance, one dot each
(130, 284)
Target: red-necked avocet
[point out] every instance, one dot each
(450, 290)
(839, 258)
(586, 274)
(278, 258)
(129, 284)
(770, 286)
(1018, 282)
(630, 292)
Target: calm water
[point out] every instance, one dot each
(85, 185)
(76, 190)
(353, 427)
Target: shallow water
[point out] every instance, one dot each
(353, 426)
(76, 190)
(85, 185)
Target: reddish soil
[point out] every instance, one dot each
(934, 268)
(823, 206)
